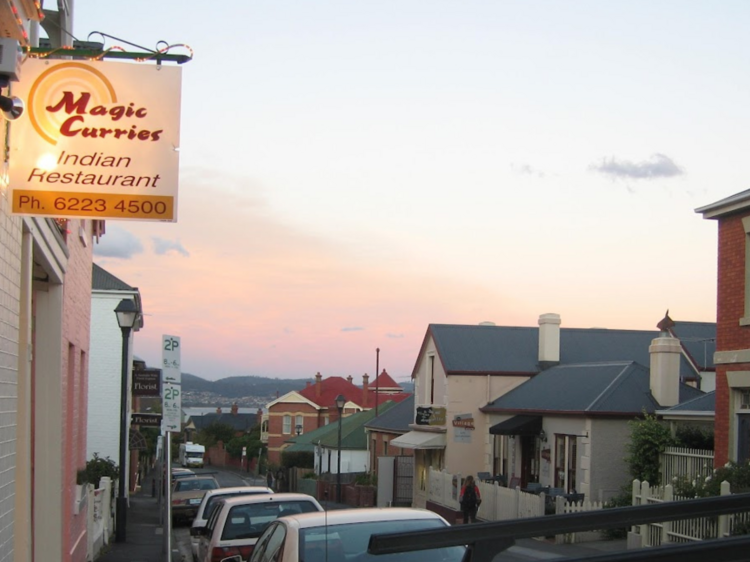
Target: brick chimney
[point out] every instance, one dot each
(549, 340)
(665, 370)
(235, 409)
(365, 389)
(318, 384)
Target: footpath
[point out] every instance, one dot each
(144, 540)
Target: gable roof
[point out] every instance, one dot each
(705, 403)
(619, 387)
(396, 419)
(732, 204)
(384, 381)
(103, 280)
(353, 436)
(331, 387)
(481, 349)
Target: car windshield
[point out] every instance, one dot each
(193, 484)
(214, 500)
(349, 542)
(248, 521)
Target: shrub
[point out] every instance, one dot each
(623, 499)
(96, 468)
(366, 479)
(649, 437)
(737, 474)
(694, 437)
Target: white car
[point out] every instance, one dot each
(210, 501)
(236, 523)
(344, 535)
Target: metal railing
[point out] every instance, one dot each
(486, 540)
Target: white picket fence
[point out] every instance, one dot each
(498, 503)
(684, 530)
(678, 462)
(100, 522)
(563, 506)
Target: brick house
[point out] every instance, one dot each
(314, 406)
(732, 421)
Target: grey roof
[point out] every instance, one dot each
(238, 422)
(515, 350)
(396, 419)
(103, 280)
(620, 387)
(698, 339)
(704, 403)
(733, 203)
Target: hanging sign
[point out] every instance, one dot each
(146, 420)
(97, 140)
(146, 382)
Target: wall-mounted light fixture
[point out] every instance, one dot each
(543, 436)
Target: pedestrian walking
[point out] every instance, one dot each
(470, 500)
(269, 479)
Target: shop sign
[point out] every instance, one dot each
(430, 415)
(147, 382)
(97, 140)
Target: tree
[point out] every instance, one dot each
(649, 437)
(214, 433)
(250, 440)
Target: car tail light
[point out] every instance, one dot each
(178, 502)
(219, 553)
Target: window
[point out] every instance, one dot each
(566, 462)
(385, 446)
(299, 425)
(745, 399)
(431, 376)
(286, 428)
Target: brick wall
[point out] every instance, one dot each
(76, 326)
(276, 438)
(10, 275)
(729, 334)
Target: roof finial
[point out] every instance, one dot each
(665, 323)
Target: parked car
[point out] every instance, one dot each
(187, 494)
(178, 473)
(210, 500)
(344, 535)
(236, 523)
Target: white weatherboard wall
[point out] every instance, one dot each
(105, 366)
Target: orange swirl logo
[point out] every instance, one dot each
(51, 87)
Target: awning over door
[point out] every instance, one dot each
(518, 425)
(420, 440)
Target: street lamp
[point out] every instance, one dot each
(127, 314)
(340, 402)
(299, 429)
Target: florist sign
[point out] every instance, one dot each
(98, 140)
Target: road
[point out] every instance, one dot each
(226, 479)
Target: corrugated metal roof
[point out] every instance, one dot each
(704, 403)
(103, 280)
(397, 418)
(603, 387)
(502, 349)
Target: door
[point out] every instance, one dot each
(403, 486)
(528, 460)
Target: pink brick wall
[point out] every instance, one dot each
(76, 328)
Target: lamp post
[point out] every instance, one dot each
(340, 402)
(127, 314)
(299, 429)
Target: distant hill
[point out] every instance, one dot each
(245, 391)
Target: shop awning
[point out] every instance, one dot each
(420, 440)
(518, 425)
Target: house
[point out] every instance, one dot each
(313, 407)
(105, 368)
(242, 420)
(567, 427)
(732, 423)
(698, 412)
(324, 442)
(461, 369)
(387, 428)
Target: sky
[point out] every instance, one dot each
(352, 171)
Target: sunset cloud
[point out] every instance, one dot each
(118, 243)
(658, 166)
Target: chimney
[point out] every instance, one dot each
(218, 410)
(235, 409)
(349, 378)
(665, 354)
(365, 389)
(549, 340)
(318, 384)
